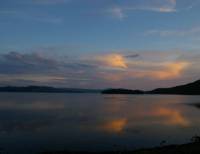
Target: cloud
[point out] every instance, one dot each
(49, 2)
(156, 66)
(32, 78)
(114, 60)
(117, 9)
(46, 19)
(8, 12)
(164, 71)
(117, 12)
(120, 9)
(176, 33)
(14, 62)
(103, 70)
(31, 16)
(164, 6)
(36, 68)
(132, 55)
(171, 70)
(32, 58)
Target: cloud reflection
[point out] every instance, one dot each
(170, 117)
(114, 126)
(120, 116)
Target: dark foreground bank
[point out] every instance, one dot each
(190, 148)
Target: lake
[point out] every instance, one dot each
(34, 122)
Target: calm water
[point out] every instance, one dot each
(37, 122)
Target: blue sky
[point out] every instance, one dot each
(99, 43)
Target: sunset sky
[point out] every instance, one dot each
(138, 44)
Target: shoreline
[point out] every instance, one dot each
(188, 148)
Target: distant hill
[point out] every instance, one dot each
(187, 89)
(122, 91)
(45, 89)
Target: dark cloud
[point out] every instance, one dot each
(33, 58)
(15, 62)
(42, 69)
(132, 56)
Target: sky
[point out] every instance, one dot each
(137, 44)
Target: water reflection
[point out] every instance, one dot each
(170, 117)
(94, 121)
(114, 126)
(126, 114)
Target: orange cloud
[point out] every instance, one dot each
(161, 71)
(159, 68)
(113, 60)
(171, 70)
(113, 76)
